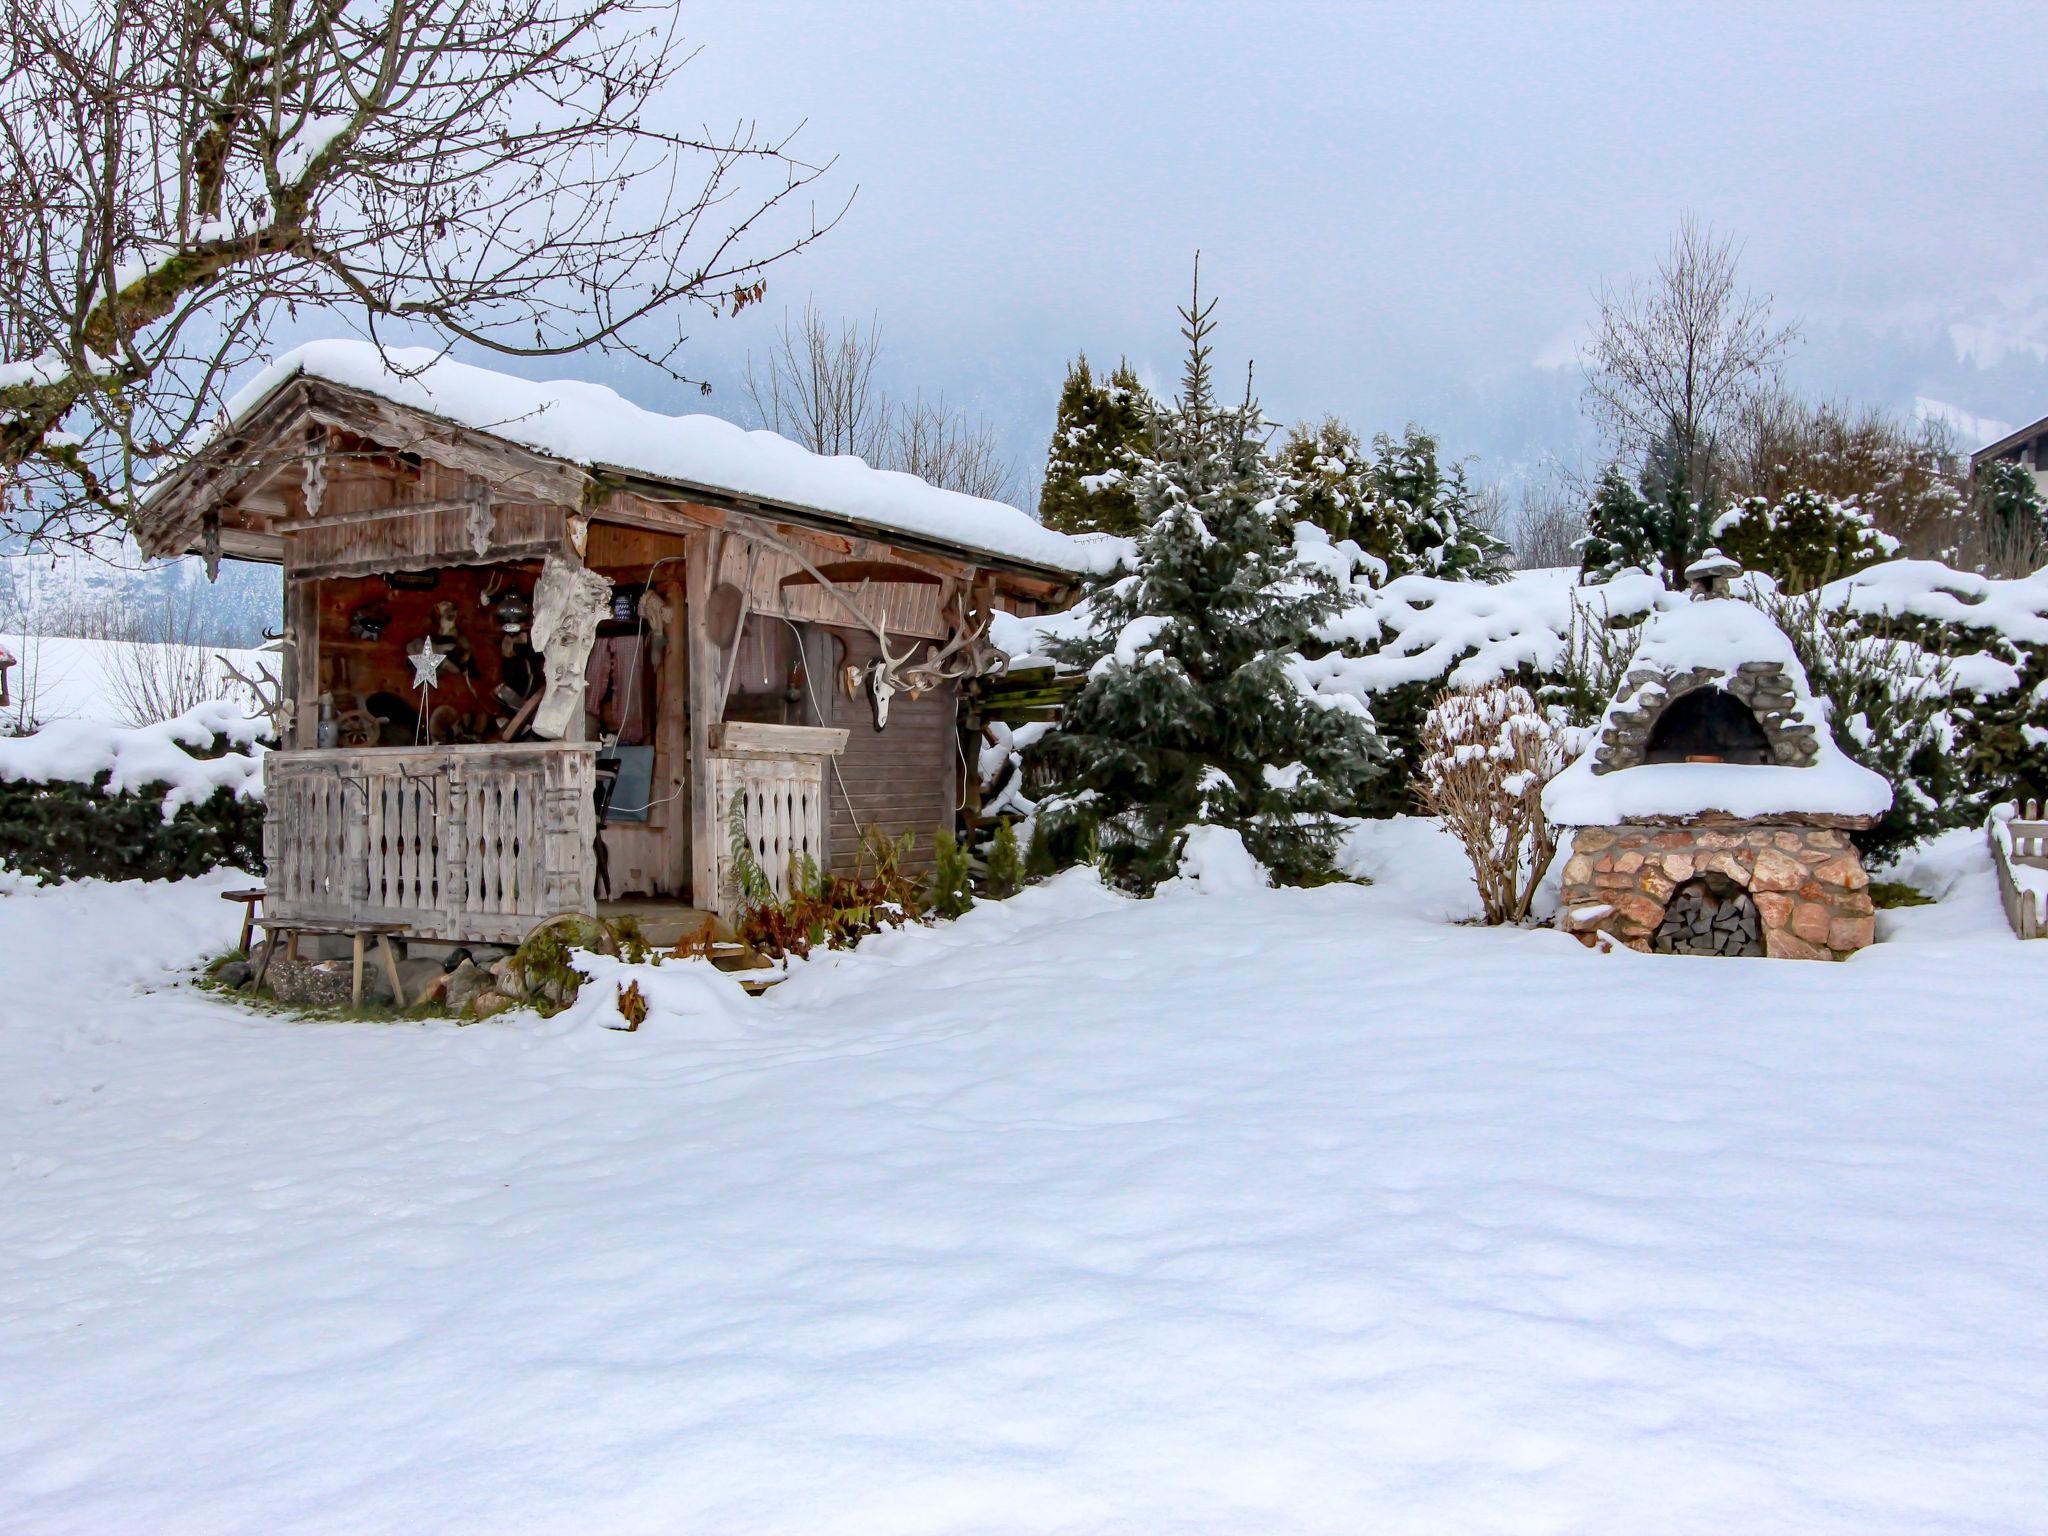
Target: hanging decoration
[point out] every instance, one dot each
(426, 668)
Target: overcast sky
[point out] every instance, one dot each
(1405, 210)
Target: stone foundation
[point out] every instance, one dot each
(1808, 883)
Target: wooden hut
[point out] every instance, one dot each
(544, 650)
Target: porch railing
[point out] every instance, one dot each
(474, 843)
(774, 776)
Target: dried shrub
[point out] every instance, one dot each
(834, 911)
(632, 1004)
(1486, 755)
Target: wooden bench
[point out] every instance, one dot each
(250, 900)
(357, 934)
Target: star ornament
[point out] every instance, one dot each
(426, 663)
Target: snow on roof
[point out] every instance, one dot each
(592, 425)
(79, 751)
(1715, 635)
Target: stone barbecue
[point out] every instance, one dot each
(1711, 812)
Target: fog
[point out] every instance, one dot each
(1406, 212)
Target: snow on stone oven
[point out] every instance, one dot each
(1712, 809)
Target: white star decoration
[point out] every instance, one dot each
(426, 663)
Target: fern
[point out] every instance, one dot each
(749, 880)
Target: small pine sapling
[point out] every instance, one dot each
(950, 893)
(1005, 876)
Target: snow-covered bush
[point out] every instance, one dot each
(84, 799)
(1487, 752)
(1890, 707)
(1801, 541)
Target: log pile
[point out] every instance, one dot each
(1705, 921)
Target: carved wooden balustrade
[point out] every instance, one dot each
(473, 843)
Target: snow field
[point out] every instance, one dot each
(1305, 1211)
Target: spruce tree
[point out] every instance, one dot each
(1097, 431)
(2009, 501)
(1656, 526)
(1421, 514)
(1326, 471)
(1190, 713)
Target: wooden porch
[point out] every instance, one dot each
(515, 687)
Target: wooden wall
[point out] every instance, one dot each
(362, 668)
(902, 779)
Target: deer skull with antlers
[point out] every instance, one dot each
(967, 654)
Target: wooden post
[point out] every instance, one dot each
(705, 709)
(299, 666)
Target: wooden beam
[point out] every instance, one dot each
(706, 710)
(374, 514)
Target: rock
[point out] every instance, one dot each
(1777, 871)
(1845, 871)
(487, 1002)
(1592, 839)
(1578, 870)
(1678, 866)
(465, 982)
(310, 983)
(1849, 934)
(1810, 921)
(1776, 908)
(236, 973)
(1783, 946)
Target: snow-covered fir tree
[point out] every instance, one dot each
(1657, 528)
(2009, 501)
(1422, 514)
(1099, 430)
(1191, 713)
(1399, 502)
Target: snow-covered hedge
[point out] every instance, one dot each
(82, 798)
(1935, 677)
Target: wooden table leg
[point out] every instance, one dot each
(248, 924)
(391, 969)
(263, 965)
(355, 997)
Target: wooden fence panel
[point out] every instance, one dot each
(456, 843)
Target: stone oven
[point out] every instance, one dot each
(1711, 811)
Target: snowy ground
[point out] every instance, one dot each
(1307, 1212)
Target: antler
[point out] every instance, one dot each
(269, 699)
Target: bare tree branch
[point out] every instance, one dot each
(1674, 359)
(178, 175)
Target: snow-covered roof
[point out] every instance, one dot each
(591, 425)
(1704, 643)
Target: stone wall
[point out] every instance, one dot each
(1760, 685)
(1808, 883)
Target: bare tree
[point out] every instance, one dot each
(1674, 359)
(153, 662)
(818, 386)
(938, 444)
(1549, 521)
(26, 618)
(1910, 477)
(175, 175)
